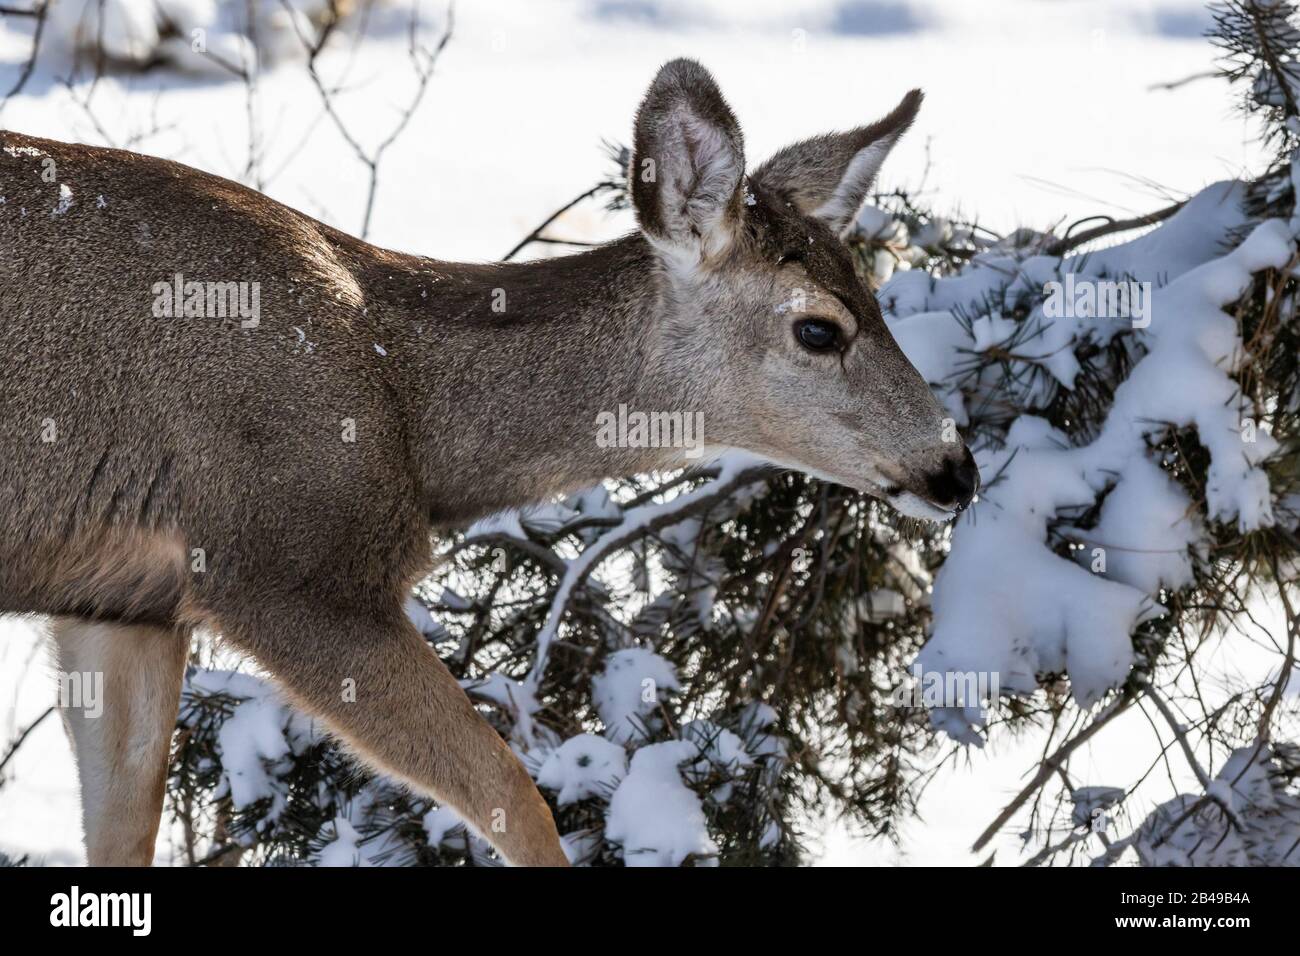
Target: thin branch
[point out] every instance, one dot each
(1048, 767)
(1175, 84)
(536, 234)
(1180, 734)
(40, 13)
(1067, 242)
(636, 523)
(424, 61)
(18, 741)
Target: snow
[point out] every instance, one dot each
(424, 622)
(515, 697)
(881, 604)
(1184, 379)
(440, 823)
(925, 313)
(1244, 817)
(254, 739)
(1004, 601)
(583, 766)
(653, 815)
(128, 31)
(344, 849)
(133, 32)
(1089, 801)
(629, 689)
(65, 200)
(1184, 138)
(1147, 531)
(633, 522)
(546, 518)
(453, 601)
(719, 749)
(504, 523)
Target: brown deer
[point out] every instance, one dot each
(275, 474)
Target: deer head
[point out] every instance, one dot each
(762, 298)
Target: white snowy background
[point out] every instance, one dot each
(1037, 111)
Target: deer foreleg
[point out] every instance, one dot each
(378, 686)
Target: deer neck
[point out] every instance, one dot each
(503, 373)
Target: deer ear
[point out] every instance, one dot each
(688, 162)
(829, 176)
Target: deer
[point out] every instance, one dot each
(309, 454)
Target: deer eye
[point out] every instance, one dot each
(817, 335)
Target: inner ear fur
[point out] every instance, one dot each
(688, 162)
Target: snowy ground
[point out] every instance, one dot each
(1036, 111)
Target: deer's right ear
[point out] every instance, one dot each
(688, 163)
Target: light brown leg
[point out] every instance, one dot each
(380, 687)
(119, 692)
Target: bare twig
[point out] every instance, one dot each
(1048, 767)
(18, 741)
(536, 234)
(423, 60)
(636, 523)
(1180, 734)
(25, 74)
(1067, 242)
(1175, 84)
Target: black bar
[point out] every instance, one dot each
(336, 905)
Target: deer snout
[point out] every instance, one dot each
(956, 482)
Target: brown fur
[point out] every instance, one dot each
(179, 437)
(114, 574)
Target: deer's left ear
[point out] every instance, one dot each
(688, 161)
(829, 176)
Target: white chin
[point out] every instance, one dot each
(904, 502)
(916, 507)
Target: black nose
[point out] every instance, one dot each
(956, 484)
